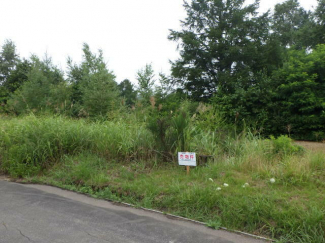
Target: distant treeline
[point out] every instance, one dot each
(265, 71)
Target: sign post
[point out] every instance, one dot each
(188, 159)
(187, 170)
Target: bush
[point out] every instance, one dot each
(283, 145)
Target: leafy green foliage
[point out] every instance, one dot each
(159, 125)
(233, 54)
(284, 145)
(292, 25)
(44, 90)
(18, 76)
(145, 78)
(8, 60)
(101, 96)
(247, 106)
(220, 42)
(127, 92)
(180, 123)
(171, 130)
(94, 90)
(319, 30)
(298, 100)
(291, 101)
(214, 224)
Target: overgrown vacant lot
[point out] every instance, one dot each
(266, 187)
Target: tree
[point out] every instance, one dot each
(166, 96)
(247, 106)
(298, 100)
(165, 86)
(14, 81)
(221, 41)
(45, 89)
(18, 76)
(145, 78)
(293, 25)
(320, 22)
(8, 61)
(94, 88)
(127, 92)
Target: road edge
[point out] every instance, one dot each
(168, 215)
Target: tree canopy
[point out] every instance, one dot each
(220, 42)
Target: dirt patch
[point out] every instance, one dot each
(313, 146)
(4, 178)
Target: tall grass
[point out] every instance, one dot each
(31, 144)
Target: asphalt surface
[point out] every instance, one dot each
(34, 213)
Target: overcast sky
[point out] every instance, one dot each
(131, 33)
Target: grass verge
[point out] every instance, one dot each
(286, 210)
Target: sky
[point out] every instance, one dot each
(131, 33)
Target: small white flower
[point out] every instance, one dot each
(243, 186)
(210, 179)
(225, 184)
(218, 189)
(272, 180)
(246, 184)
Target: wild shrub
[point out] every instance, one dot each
(159, 125)
(170, 130)
(283, 145)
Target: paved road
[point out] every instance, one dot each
(33, 213)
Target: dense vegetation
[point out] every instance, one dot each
(123, 160)
(244, 85)
(262, 69)
(266, 69)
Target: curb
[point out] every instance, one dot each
(187, 219)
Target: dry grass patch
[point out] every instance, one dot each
(312, 146)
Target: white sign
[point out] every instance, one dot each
(186, 158)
